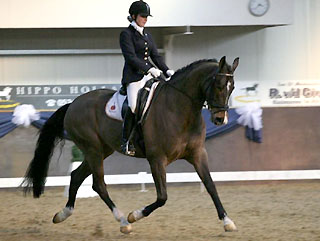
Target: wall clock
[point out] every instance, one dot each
(259, 7)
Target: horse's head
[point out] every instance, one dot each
(7, 89)
(219, 90)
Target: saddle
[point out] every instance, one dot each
(145, 97)
(117, 106)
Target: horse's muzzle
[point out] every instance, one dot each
(219, 118)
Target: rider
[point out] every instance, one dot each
(137, 47)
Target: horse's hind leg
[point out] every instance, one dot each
(77, 177)
(200, 162)
(96, 164)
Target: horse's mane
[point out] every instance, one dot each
(191, 66)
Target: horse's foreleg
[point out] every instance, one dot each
(159, 177)
(77, 177)
(200, 162)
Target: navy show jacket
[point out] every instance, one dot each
(136, 49)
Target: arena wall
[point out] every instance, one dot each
(280, 53)
(290, 142)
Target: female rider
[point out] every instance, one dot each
(137, 47)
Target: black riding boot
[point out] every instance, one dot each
(128, 124)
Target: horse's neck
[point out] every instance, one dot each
(192, 85)
(180, 110)
(185, 94)
(185, 99)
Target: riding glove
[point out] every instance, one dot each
(170, 72)
(155, 72)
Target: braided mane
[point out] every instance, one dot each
(192, 66)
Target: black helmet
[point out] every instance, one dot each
(140, 7)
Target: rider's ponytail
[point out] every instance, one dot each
(130, 19)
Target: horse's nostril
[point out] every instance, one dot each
(219, 121)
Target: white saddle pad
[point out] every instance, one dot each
(114, 105)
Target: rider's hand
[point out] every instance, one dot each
(170, 72)
(154, 72)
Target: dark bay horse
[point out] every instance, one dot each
(174, 129)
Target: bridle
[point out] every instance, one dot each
(209, 106)
(220, 107)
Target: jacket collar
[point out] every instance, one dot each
(137, 27)
(134, 31)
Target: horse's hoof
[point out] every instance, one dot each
(135, 216)
(62, 215)
(131, 218)
(126, 229)
(229, 225)
(230, 228)
(57, 218)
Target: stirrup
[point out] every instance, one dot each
(128, 149)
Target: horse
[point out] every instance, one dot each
(251, 88)
(174, 129)
(6, 93)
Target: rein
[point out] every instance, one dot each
(184, 93)
(218, 106)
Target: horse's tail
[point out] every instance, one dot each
(50, 134)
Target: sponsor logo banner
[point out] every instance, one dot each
(277, 94)
(44, 97)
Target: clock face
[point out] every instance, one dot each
(258, 7)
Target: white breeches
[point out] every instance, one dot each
(132, 91)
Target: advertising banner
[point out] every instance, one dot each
(44, 97)
(267, 94)
(277, 94)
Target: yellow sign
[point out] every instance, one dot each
(7, 104)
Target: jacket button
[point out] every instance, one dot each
(145, 58)
(145, 43)
(146, 63)
(146, 48)
(146, 53)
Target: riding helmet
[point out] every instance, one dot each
(140, 7)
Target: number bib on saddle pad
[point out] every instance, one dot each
(115, 104)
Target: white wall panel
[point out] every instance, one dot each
(288, 52)
(105, 13)
(313, 27)
(214, 43)
(71, 69)
(217, 13)
(292, 52)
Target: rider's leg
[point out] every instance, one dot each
(129, 120)
(133, 89)
(128, 124)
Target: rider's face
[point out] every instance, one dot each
(141, 21)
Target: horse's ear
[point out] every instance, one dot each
(222, 62)
(235, 64)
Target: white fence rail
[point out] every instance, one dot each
(143, 178)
